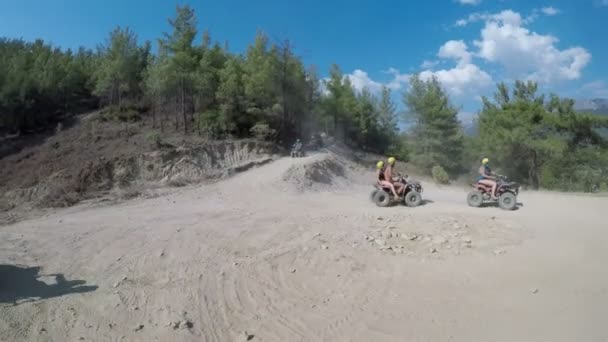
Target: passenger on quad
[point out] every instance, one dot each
(487, 176)
(388, 177)
(382, 180)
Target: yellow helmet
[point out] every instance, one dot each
(392, 160)
(484, 161)
(380, 164)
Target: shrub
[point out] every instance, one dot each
(155, 139)
(211, 124)
(440, 176)
(125, 114)
(262, 131)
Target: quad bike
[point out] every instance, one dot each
(297, 152)
(315, 143)
(382, 195)
(505, 191)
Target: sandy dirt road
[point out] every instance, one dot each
(250, 258)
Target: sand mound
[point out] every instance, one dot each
(324, 172)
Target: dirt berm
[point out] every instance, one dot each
(92, 159)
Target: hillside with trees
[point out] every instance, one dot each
(195, 86)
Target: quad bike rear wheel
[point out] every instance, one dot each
(382, 198)
(475, 198)
(413, 199)
(507, 201)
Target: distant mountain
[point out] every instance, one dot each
(596, 106)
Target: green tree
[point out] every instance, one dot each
(121, 67)
(387, 120)
(437, 137)
(231, 95)
(543, 143)
(40, 84)
(518, 131)
(182, 63)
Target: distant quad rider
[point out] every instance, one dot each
(382, 180)
(296, 149)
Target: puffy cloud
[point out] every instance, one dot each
(461, 80)
(361, 80)
(526, 54)
(551, 10)
(466, 77)
(455, 49)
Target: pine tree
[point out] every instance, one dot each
(437, 137)
(121, 67)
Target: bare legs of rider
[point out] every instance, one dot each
(400, 187)
(390, 186)
(491, 183)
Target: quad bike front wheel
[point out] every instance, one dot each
(475, 198)
(413, 199)
(372, 196)
(382, 198)
(507, 201)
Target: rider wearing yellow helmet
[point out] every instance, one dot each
(388, 176)
(487, 176)
(380, 176)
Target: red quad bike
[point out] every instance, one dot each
(505, 190)
(382, 195)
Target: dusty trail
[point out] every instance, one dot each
(256, 254)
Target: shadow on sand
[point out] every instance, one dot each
(495, 205)
(21, 284)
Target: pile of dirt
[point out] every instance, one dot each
(94, 158)
(326, 171)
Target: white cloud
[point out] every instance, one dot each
(465, 78)
(526, 54)
(506, 16)
(323, 86)
(399, 80)
(455, 49)
(471, 2)
(595, 89)
(461, 22)
(551, 10)
(461, 80)
(428, 64)
(361, 80)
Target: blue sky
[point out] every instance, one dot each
(468, 44)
